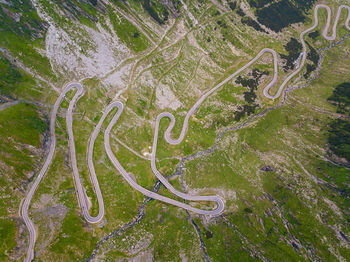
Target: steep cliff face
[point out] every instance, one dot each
(280, 165)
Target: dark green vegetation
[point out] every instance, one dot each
(314, 34)
(240, 12)
(252, 83)
(232, 5)
(258, 3)
(246, 19)
(159, 11)
(151, 6)
(280, 14)
(251, 22)
(339, 131)
(339, 138)
(313, 57)
(294, 48)
(341, 98)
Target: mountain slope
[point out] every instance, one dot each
(283, 174)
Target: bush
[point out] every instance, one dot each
(293, 47)
(313, 56)
(279, 15)
(258, 3)
(339, 138)
(240, 12)
(252, 23)
(339, 131)
(232, 5)
(252, 83)
(147, 5)
(341, 97)
(314, 34)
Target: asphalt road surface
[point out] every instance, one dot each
(301, 38)
(26, 202)
(132, 182)
(82, 197)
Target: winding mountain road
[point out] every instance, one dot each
(81, 192)
(132, 182)
(82, 197)
(26, 203)
(301, 38)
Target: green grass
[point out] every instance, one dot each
(74, 242)
(16, 83)
(21, 43)
(22, 123)
(233, 169)
(22, 126)
(128, 33)
(7, 235)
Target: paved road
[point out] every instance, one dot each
(26, 203)
(301, 38)
(200, 101)
(132, 182)
(8, 104)
(82, 197)
(83, 201)
(326, 28)
(81, 192)
(167, 135)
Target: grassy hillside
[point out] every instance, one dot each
(281, 166)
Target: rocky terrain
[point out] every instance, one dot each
(281, 166)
